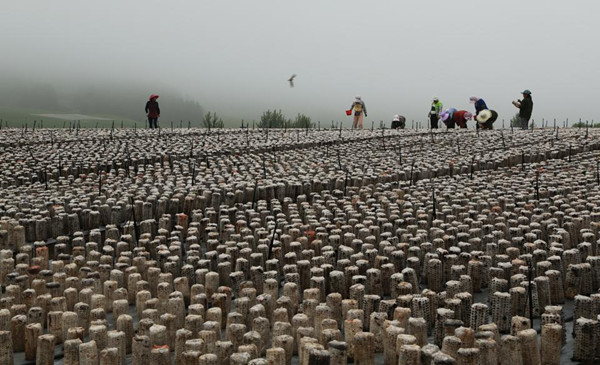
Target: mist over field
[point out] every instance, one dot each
(234, 57)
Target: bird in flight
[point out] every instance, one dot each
(291, 80)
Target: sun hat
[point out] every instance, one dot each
(468, 115)
(474, 99)
(526, 92)
(435, 98)
(483, 116)
(153, 96)
(445, 115)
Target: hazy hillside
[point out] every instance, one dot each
(122, 99)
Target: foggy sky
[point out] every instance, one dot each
(234, 56)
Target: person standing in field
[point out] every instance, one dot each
(434, 113)
(525, 108)
(360, 110)
(153, 111)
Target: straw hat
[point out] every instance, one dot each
(483, 116)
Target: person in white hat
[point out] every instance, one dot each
(434, 113)
(360, 110)
(398, 122)
(480, 106)
(525, 108)
(486, 118)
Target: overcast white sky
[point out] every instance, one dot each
(235, 56)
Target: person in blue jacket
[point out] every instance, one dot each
(479, 104)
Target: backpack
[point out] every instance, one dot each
(358, 107)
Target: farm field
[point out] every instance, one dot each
(299, 246)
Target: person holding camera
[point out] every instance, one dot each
(525, 108)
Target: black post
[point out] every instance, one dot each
(194, 173)
(570, 152)
(345, 181)
(135, 226)
(537, 185)
(503, 142)
(472, 166)
(522, 160)
(254, 194)
(272, 241)
(400, 150)
(529, 289)
(586, 129)
(339, 160)
(372, 125)
(319, 128)
(434, 202)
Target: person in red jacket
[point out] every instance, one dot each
(153, 111)
(461, 117)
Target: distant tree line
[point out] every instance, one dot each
(276, 119)
(583, 125)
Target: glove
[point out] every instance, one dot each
(365, 114)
